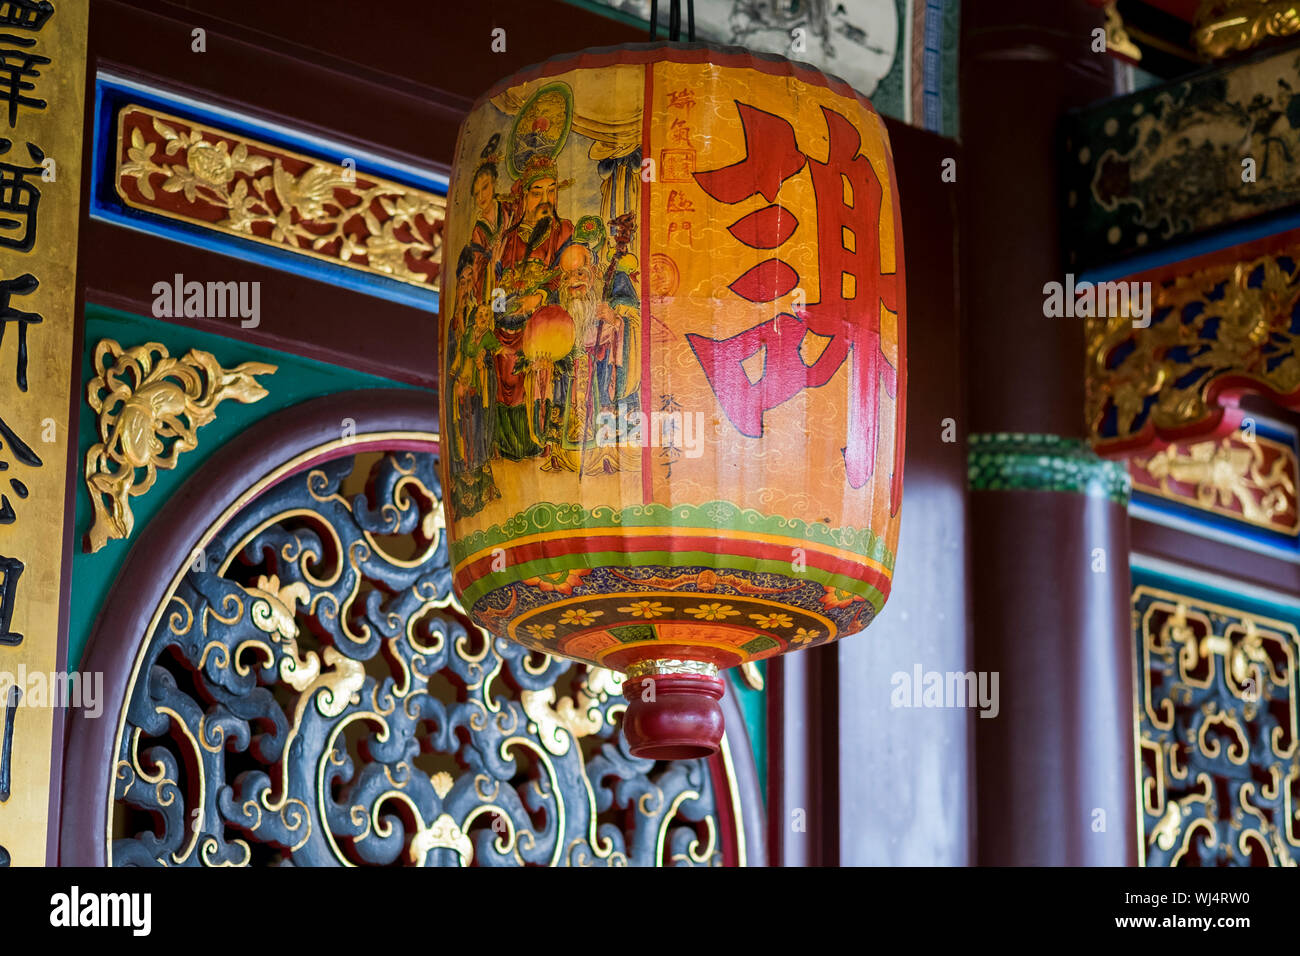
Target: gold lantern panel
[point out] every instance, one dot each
(673, 359)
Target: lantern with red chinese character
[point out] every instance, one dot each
(673, 369)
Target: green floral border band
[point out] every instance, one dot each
(1006, 461)
(544, 517)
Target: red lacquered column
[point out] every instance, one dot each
(1048, 527)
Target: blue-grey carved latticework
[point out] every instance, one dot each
(1216, 712)
(312, 695)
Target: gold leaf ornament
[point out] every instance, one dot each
(273, 610)
(149, 407)
(1223, 27)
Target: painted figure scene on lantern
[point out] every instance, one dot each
(665, 351)
(544, 345)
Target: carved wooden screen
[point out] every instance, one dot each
(1216, 720)
(313, 695)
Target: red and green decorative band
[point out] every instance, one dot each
(709, 581)
(715, 521)
(667, 549)
(712, 516)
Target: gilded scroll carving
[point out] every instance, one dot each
(1216, 713)
(148, 407)
(1251, 480)
(316, 697)
(1117, 39)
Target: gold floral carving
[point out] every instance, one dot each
(1181, 359)
(236, 185)
(1230, 477)
(1227, 26)
(148, 407)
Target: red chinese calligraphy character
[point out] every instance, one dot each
(852, 287)
(681, 99)
(677, 202)
(762, 171)
(682, 229)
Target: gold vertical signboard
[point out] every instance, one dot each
(42, 91)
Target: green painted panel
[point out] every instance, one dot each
(753, 705)
(297, 380)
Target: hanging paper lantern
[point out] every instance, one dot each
(674, 369)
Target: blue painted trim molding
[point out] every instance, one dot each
(113, 92)
(1259, 228)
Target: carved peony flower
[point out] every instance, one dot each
(211, 164)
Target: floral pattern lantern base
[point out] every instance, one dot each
(673, 330)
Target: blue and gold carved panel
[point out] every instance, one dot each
(1219, 778)
(313, 695)
(220, 180)
(1168, 163)
(1219, 327)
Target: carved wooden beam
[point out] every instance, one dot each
(1224, 27)
(1219, 329)
(225, 182)
(1170, 164)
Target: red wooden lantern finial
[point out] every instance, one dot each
(672, 714)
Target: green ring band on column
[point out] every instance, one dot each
(1009, 461)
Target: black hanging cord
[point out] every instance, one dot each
(674, 20)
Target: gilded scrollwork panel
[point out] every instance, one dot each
(315, 696)
(1214, 333)
(1217, 744)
